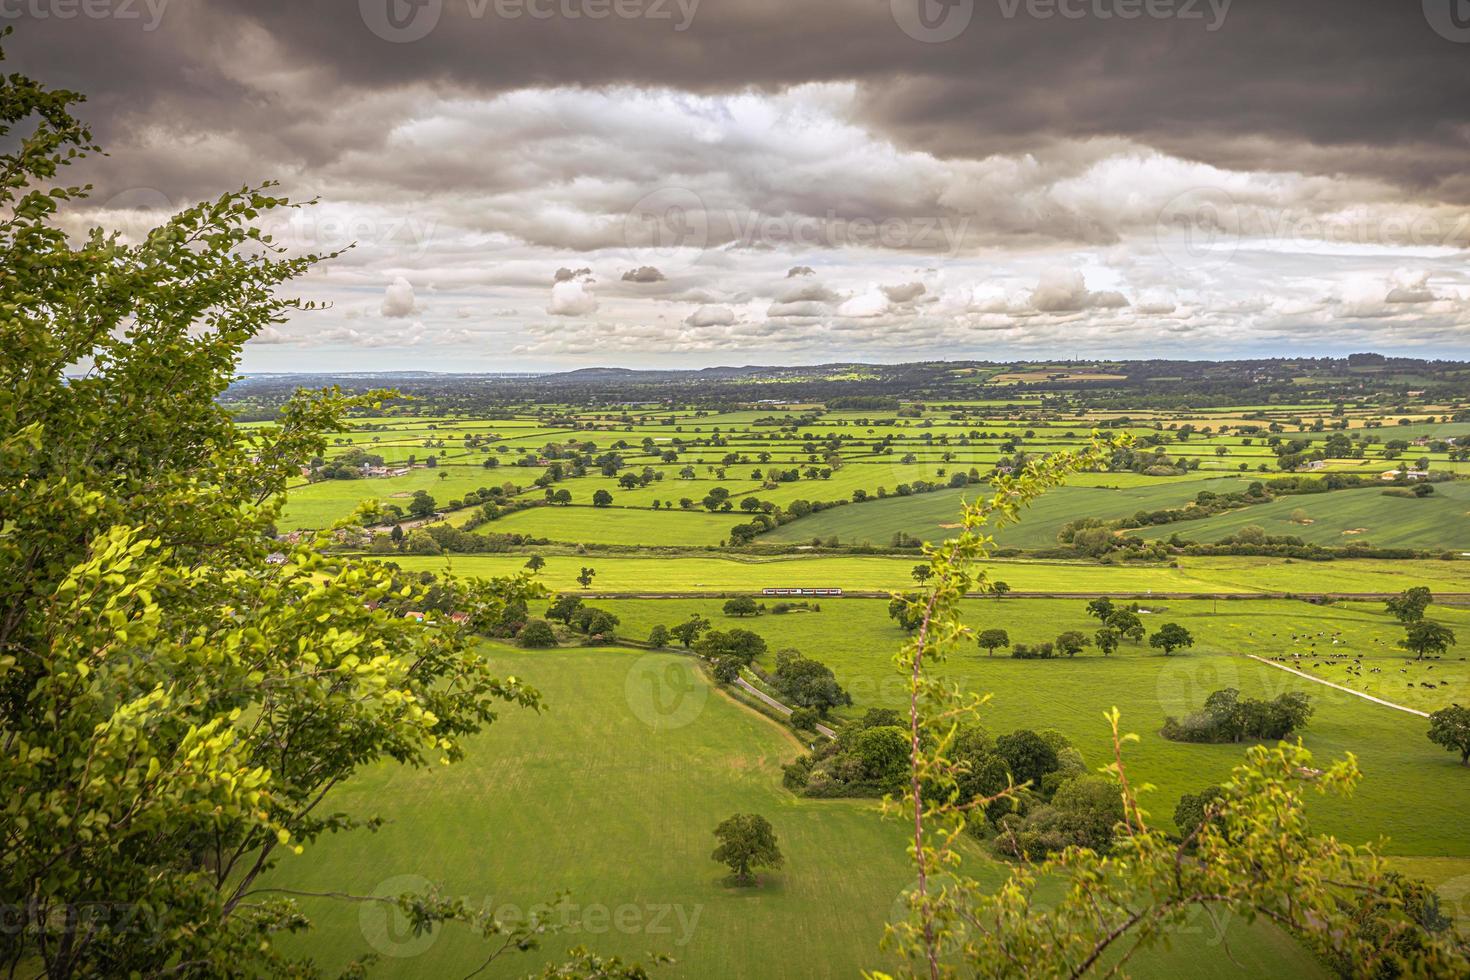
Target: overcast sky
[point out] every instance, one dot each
(538, 184)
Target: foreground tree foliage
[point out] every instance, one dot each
(175, 708)
(1249, 852)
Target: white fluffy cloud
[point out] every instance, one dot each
(398, 299)
(572, 297)
(711, 316)
(1065, 291)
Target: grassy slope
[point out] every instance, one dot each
(927, 515)
(1437, 521)
(591, 799)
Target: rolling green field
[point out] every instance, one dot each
(612, 795)
(1439, 521)
(932, 516)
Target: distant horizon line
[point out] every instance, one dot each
(856, 363)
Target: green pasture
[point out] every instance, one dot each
(617, 525)
(611, 795)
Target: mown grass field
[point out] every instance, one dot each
(593, 799)
(617, 525)
(718, 573)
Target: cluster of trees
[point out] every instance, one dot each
(348, 466)
(869, 757)
(435, 539)
(1227, 717)
(806, 684)
(598, 625)
(1422, 637)
(1118, 623)
(1058, 804)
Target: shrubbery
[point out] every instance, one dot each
(1226, 717)
(537, 635)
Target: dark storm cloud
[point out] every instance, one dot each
(1324, 86)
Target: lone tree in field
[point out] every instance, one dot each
(601, 498)
(747, 842)
(1072, 642)
(1427, 637)
(921, 573)
(741, 606)
(990, 640)
(1409, 605)
(535, 563)
(1107, 639)
(1171, 637)
(1450, 727)
(999, 589)
(585, 576)
(658, 636)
